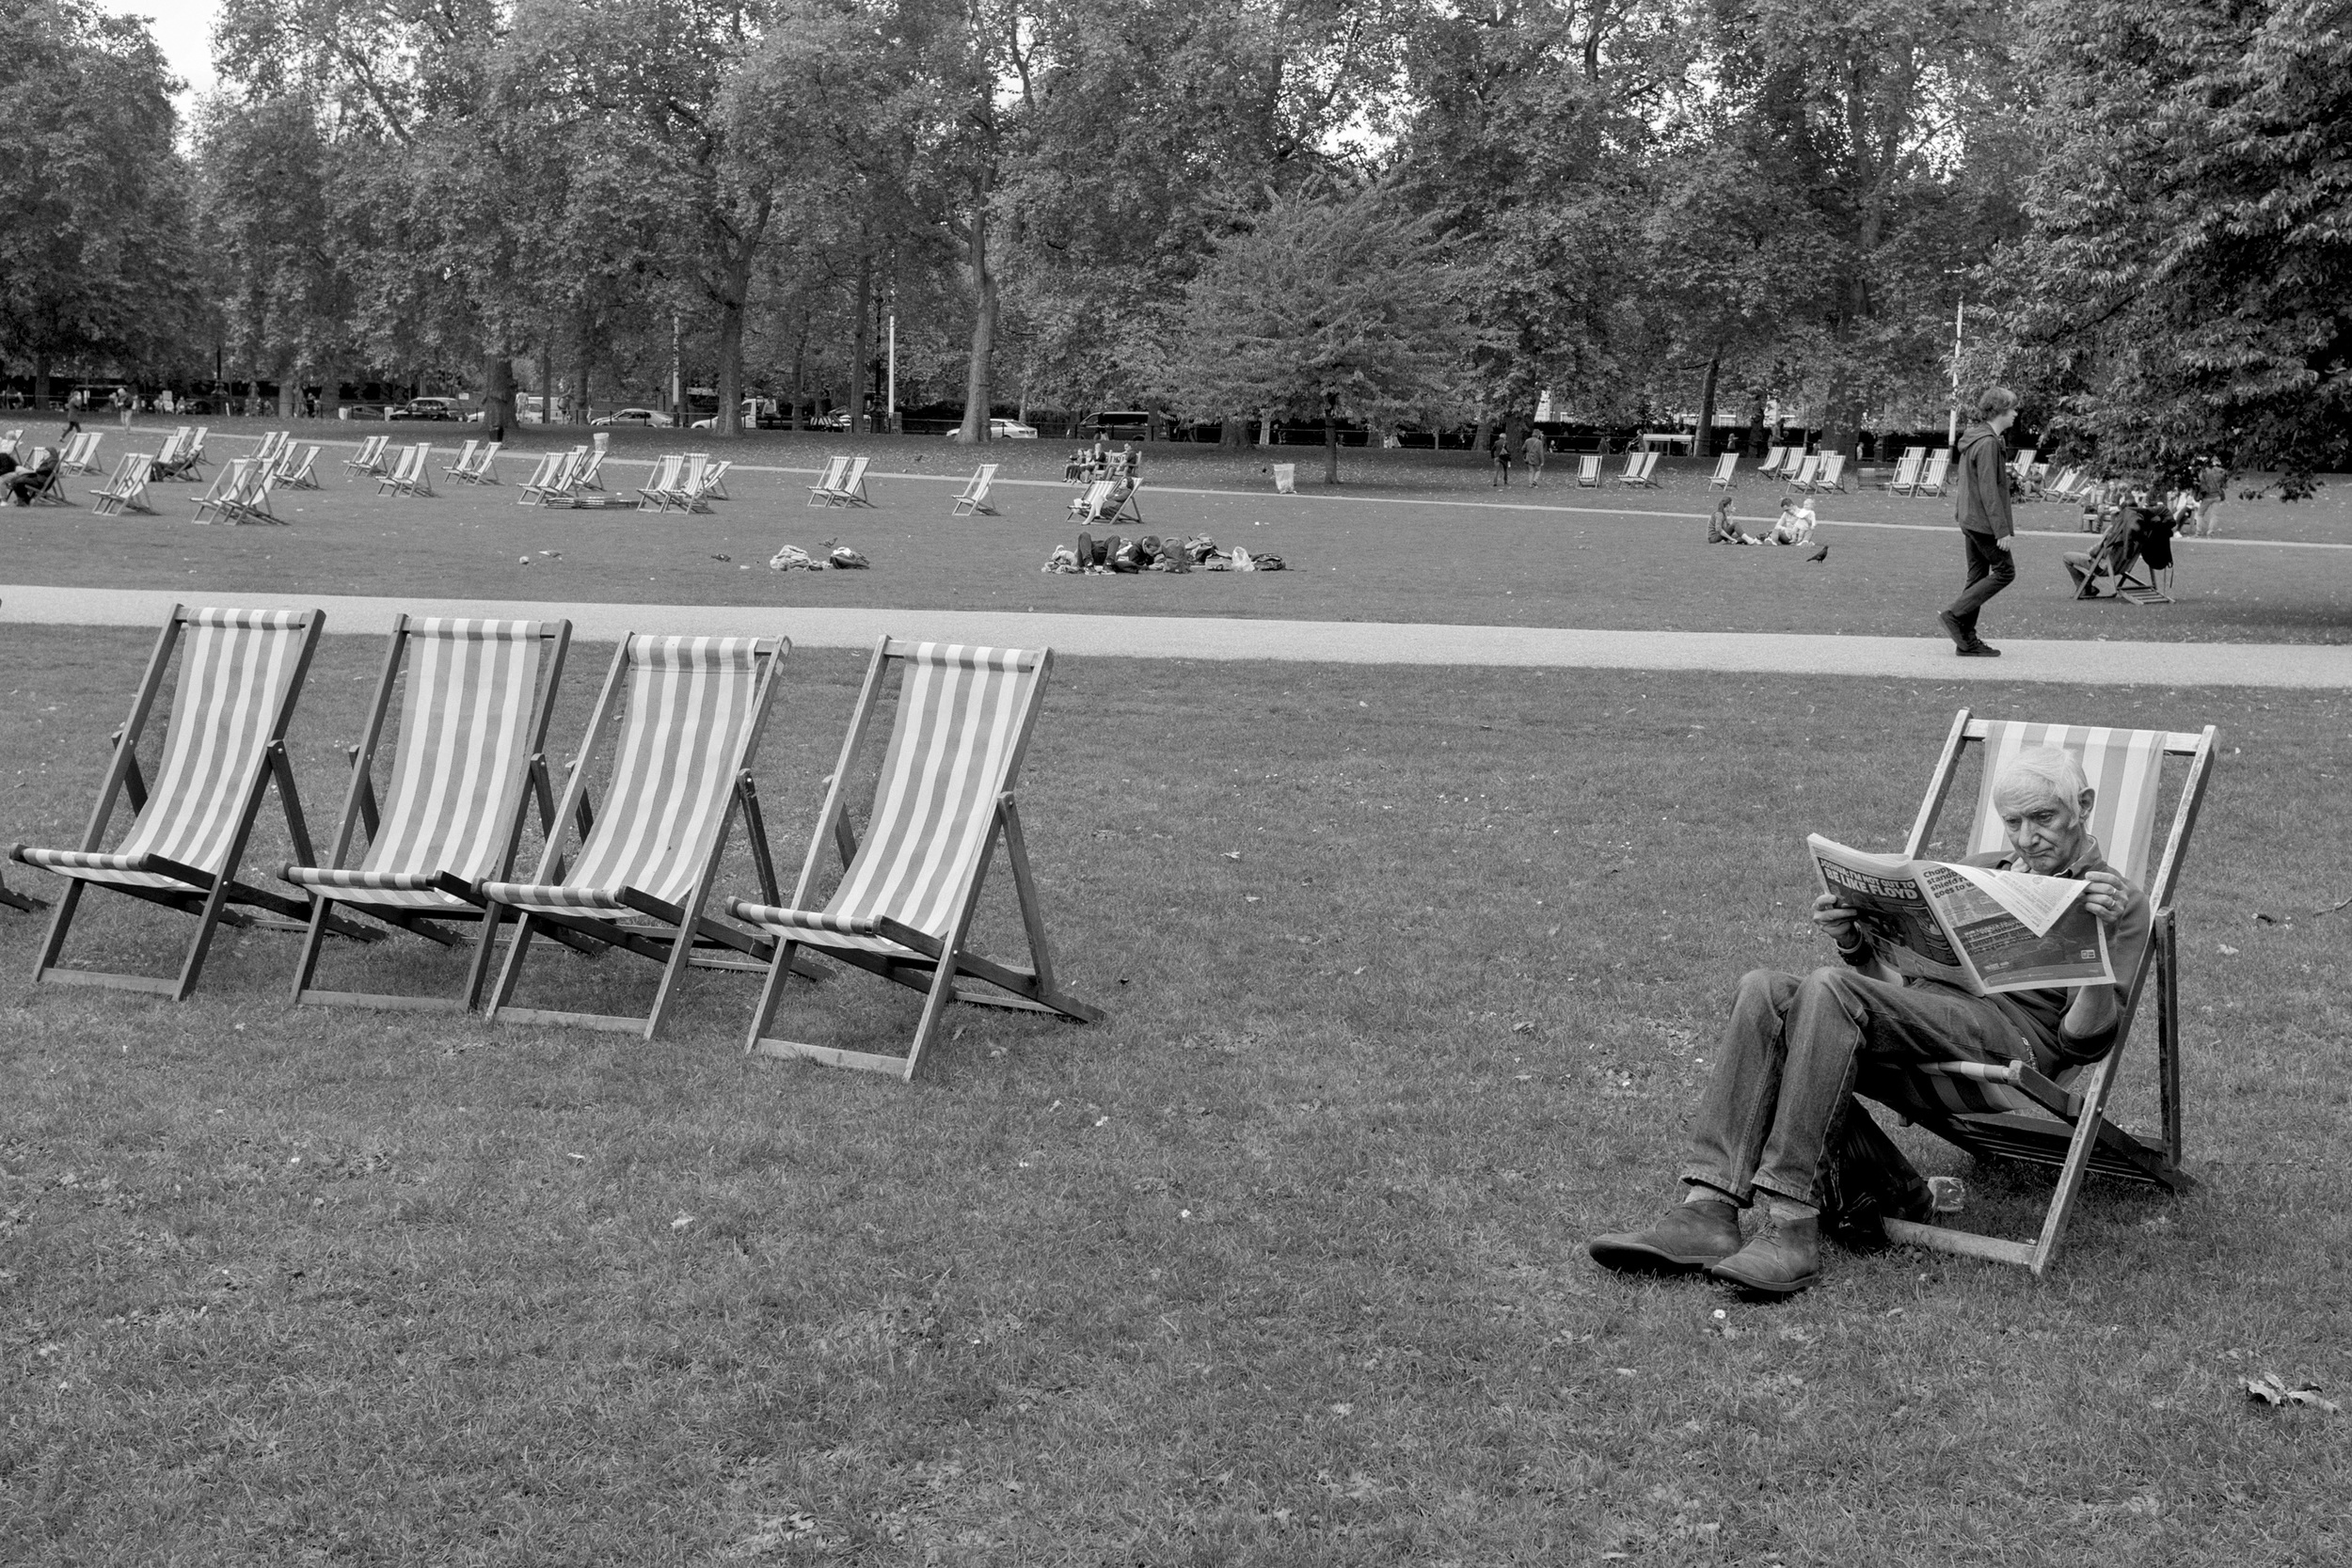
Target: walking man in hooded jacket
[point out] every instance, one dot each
(1983, 511)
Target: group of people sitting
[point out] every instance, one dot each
(1089, 464)
(1151, 553)
(1794, 526)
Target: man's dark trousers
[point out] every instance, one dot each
(1990, 570)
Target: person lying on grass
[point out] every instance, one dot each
(1779, 1121)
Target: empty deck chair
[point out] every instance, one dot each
(829, 482)
(227, 488)
(126, 488)
(80, 455)
(474, 706)
(2012, 1110)
(557, 484)
(690, 492)
(369, 459)
(2021, 467)
(460, 470)
(252, 505)
(657, 494)
(272, 443)
(975, 498)
(1641, 470)
(1588, 470)
(486, 465)
(585, 477)
(715, 480)
(1801, 478)
(1769, 468)
(1906, 474)
(691, 711)
(909, 885)
(1724, 466)
(542, 470)
(851, 490)
(412, 475)
(1830, 475)
(297, 467)
(1633, 467)
(1932, 482)
(239, 673)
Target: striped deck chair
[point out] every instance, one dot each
(412, 475)
(1802, 479)
(829, 482)
(463, 468)
(126, 488)
(227, 490)
(2012, 1111)
(486, 465)
(1641, 470)
(1588, 470)
(1089, 505)
(273, 444)
(715, 480)
(1769, 468)
(852, 489)
(1939, 474)
(1633, 467)
(192, 454)
(253, 505)
(1905, 476)
(81, 454)
(542, 475)
(166, 464)
(691, 711)
(369, 459)
(657, 494)
(239, 675)
(692, 489)
(298, 466)
(1831, 473)
(974, 501)
(907, 891)
(473, 721)
(590, 464)
(1725, 466)
(561, 486)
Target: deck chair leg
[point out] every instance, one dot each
(770, 994)
(2077, 1166)
(512, 969)
(478, 968)
(53, 942)
(1033, 922)
(313, 938)
(681, 959)
(216, 903)
(935, 1002)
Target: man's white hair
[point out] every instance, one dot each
(2038, 771)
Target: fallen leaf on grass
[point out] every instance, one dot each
(681, 1222)
(2271, 1389)
(2227, 951)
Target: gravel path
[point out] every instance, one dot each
(2103, 663)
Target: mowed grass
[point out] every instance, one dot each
(1411, 552)
(1411, 977)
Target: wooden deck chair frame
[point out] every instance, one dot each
(1725, 474)
(690, 491)
(448, 763)
(1938, 474)
(829, 482)
(1769, 468)
(81, 454)
(852, 488)
(192, 454)
(298, 468)
(126, 488)
(884, 945)
(2012, 1110)
(486, 465)
(543, 478)
(413, 474)
(253, 506)
(1088, 506)
(974, 501)
(669, 933)
(1588, 470)
(272, 443)
(233, 753)
(1830, 476)
(715, 480)
(462, 470)
(1905, 476)
(227, 489)
(585, 477)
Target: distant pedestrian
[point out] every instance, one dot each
(1981, 508)
(2213, 488)
(1533, 454)
(1499, 446)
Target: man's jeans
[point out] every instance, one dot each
(1991, 569)
(1779, 1115)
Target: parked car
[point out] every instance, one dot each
(633, 415)
(1119, 425)
(429, 408)
(1002, 430)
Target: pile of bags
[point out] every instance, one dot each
(791, 558)
(1149, 553)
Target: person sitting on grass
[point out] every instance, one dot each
(1721, 530)
(1794, 526)
(1779, 1122)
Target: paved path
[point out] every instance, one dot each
(2299, 665)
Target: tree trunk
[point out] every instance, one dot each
(1234, 434)
(1265, 427)
(863, 341)
(289, 392)
(1486, 434)
(1331, 438)
(1703, 439)
(976, 379)
(330, 390)
(1755, 441)
(800, 374)
(584, 366)
(40, 382)
(729, 420)
(498, 389)
(546, 377)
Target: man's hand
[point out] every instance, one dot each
(2004, 542)
(1835, 918)
(2107, 896)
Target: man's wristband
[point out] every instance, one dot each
(1853, 953)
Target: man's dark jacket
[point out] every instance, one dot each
(1981, 496)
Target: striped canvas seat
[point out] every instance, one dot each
(466, 750)
(2011, 1110)
(903, 906)
(236, 675)
(240, 672)
(690, 710)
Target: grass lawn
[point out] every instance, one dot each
(1407, 552)
(1411, 975)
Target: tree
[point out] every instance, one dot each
(2189, 286)
(1328, 305)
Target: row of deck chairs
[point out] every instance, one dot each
(566, 479)
(182, 456)
(632, 846)
(843, 484)
(687, 481)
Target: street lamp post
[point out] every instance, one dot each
(1960, 312)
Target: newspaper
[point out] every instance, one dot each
(1978, 928)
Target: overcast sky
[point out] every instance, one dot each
(184, 28)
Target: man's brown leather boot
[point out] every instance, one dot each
(1691, 1236)
(1785, 1258)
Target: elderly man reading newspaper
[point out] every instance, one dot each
(1779, 1127)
